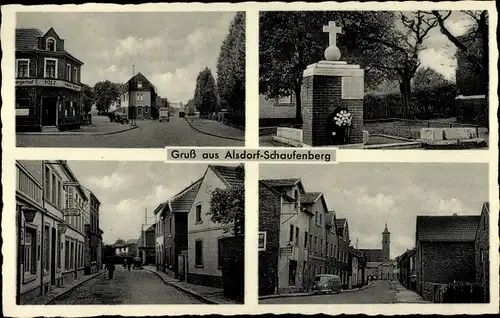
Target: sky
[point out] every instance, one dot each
(439, 53)
(169, 48)
(127, 189)
(371, 194)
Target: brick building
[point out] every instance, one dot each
(48, 87)
(445, 250)
(343, 267)
(407, 269)
(138, 98)
(204, 235)
(482, 260)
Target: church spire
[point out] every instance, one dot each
(386, 231)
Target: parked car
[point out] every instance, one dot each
(327, 283)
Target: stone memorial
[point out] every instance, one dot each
(332, 98)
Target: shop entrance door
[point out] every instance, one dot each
(49, 111)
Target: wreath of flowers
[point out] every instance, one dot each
(343, 118)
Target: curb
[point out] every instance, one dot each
(50, 301)
(187, 291)
(75, 133)
(210, 134)
(310, 294)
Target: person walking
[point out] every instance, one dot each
(129, 264)
(110, 266)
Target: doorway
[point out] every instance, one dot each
(53, 257)
(49, 111)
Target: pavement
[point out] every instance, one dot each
(148, 134)
(100, 126)
(404, 295)
(378, 292)
(132, 287)
(215, 128)
(60, 291)
(206, 294)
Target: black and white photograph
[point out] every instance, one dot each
(374, 79)
(374, 233)
(130, 79)
(111, 233)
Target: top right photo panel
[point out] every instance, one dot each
(374, 79)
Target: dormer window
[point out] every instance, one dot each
(50, 44)
(139, 84)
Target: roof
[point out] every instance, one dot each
(455, 228)
(372, 255)
(277, 193)
(340, 223)
(27, 38)
(34, 168)
(183, 201)
(231, 175)
(131, 241)
(310, 197)
(281, 182)
(152, 227)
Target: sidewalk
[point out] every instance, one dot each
(100, 126)
(209, 295)
(215, 128)
(404, 295)
(55, 293)
(311, 293)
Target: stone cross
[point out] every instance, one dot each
(333, 29)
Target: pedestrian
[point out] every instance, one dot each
(110, 266)
(125, 264)
(129, 264)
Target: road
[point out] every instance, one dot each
(126, 287)
(150, 134)
(378, 293)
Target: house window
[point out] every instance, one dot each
(198, 259)
(316, 217)
(291, 233)
(30, 251)
(305, 240)
(198, 213)
(292, 272)
(320, 219)
(310, 241)
(53, 189)
(47, 183)
(315, 244)
(297, 236)
(46, 248)
(296, 199)
(50, 68)
(59, 248)
(59, 193)
(481, 255)
(23, 68)
(75, 78)
(68, 72)
(139, 84)
(321, 247)
(145, 109)
(50, 45)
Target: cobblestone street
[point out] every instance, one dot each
(381, 292)
(126, 287)
(150, 134)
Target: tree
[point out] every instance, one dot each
(428, 78)
(290, 41)
(227, 206)
(205, 95)
(88, 98)
(120, 241)
(474, 44)
(231, 69)
(165, 102)
(105, 94)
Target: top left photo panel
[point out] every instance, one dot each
(130, 79)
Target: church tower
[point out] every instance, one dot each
(386, 244)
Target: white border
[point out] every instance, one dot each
(10, 153)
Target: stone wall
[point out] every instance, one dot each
(269, 222)
(324, 92)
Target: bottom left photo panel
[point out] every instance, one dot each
(129, 232)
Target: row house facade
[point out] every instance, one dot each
(48, 82)
(312, 240)
(93, 235)
(51, 207)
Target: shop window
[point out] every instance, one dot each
(23, 102)
(198, 259)
(50, 44)
(23, 68)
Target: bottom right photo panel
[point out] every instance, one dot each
(353, 233)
